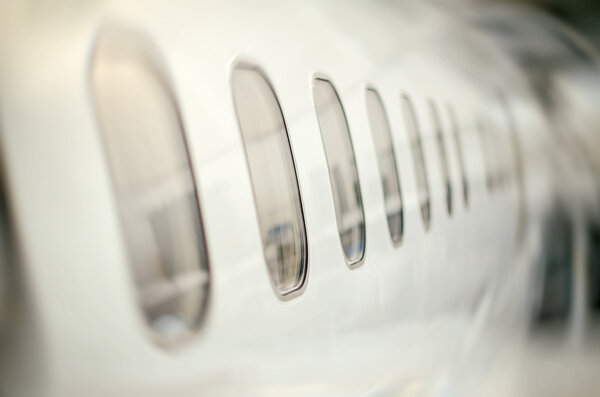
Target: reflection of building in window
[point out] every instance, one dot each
(273, 177)
(343, 174)
(280, 252)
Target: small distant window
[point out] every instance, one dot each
(273, 175)
(155, 193)
(489, 154)
(386, 161)
(416, 145)
(342, 170)
(461, 159)
(498, 147)
(593, 269)
(442, 154)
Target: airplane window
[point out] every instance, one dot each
(412, 126)
(488, 155)
(154, 188)
(342, 170)
(459, 151)
(498, 148)
(386, 161)
(443, 155)
(273, 175)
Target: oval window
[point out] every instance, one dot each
(156, 197)
(343, 174)
(489, 155)
(273, 176)
(416, 146)
(386, 162)
(459, 151)
(442, 155)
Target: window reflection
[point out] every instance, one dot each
(154, 189)
(273, 175)
(386, 161)
(342, 170)
(442, 155)
(418, 159)
(489, 155)
(459, 151)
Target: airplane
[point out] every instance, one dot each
(318, 198)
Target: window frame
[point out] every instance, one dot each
(369, 87)
(408, 105)
(289, 294)
(142, 50)
(325, 78)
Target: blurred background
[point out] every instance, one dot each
(582, 15)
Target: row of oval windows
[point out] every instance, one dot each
(143, 136)
(275, 184)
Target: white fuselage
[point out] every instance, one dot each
(421, 316)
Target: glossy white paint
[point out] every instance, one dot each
(417, 319)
